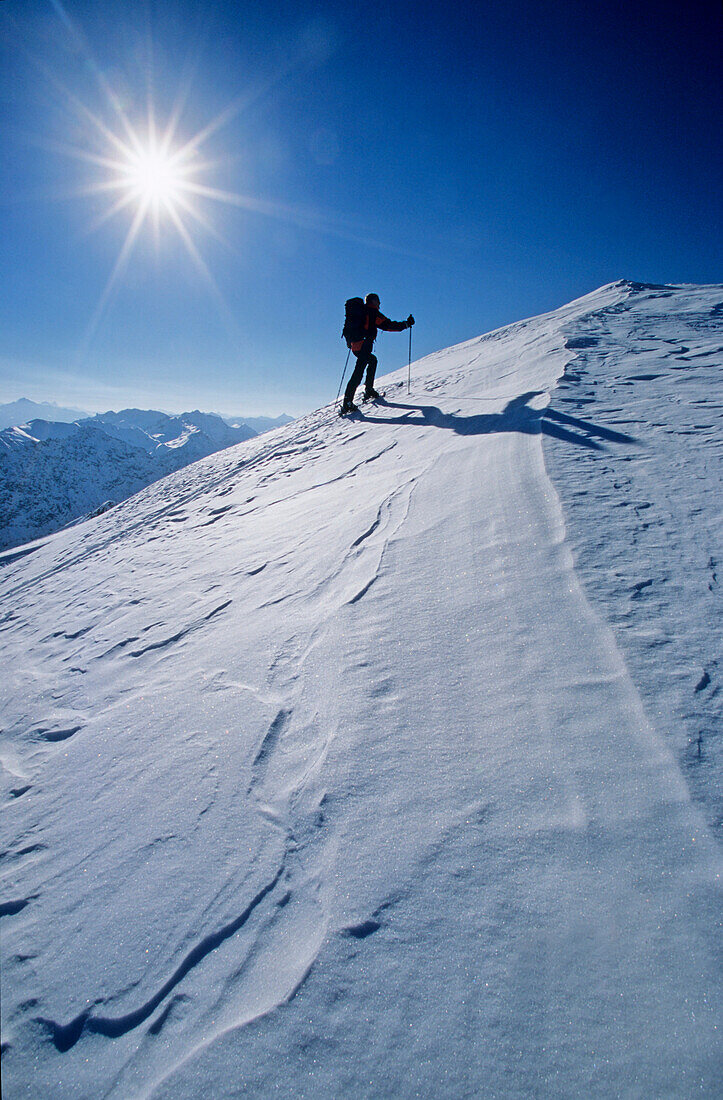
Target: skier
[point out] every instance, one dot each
(371, 320)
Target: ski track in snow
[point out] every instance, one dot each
(323, 775)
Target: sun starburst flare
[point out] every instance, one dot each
(156, 179)
(154, 176)
(150, 174)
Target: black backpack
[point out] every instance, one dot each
(355, 321)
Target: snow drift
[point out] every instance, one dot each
(327, 770)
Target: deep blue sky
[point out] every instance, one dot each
(473, 163)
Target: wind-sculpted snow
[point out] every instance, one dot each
(323, 775)
(655, 372)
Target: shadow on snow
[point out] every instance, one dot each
(517, 416)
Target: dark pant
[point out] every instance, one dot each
(365, 359)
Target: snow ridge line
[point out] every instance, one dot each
(679, 355)
(65, 1036)
(293, 439)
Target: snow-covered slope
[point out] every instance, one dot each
(641, 492)
(327, 772)
(52, 472)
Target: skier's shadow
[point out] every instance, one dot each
(517, 416)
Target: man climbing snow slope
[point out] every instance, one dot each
(360, 331)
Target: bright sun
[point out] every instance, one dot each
(154, 177)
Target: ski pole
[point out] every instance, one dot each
(342, 374)
(409, 371)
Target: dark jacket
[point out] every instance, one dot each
(374, 320)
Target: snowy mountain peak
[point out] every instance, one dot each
(73, 471)
(379, 756)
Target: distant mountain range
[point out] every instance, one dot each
(20, 412)
(259, 424)
(55, 471)
(23, 411)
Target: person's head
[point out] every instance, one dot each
(372, 300)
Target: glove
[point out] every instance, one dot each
(410, 321)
